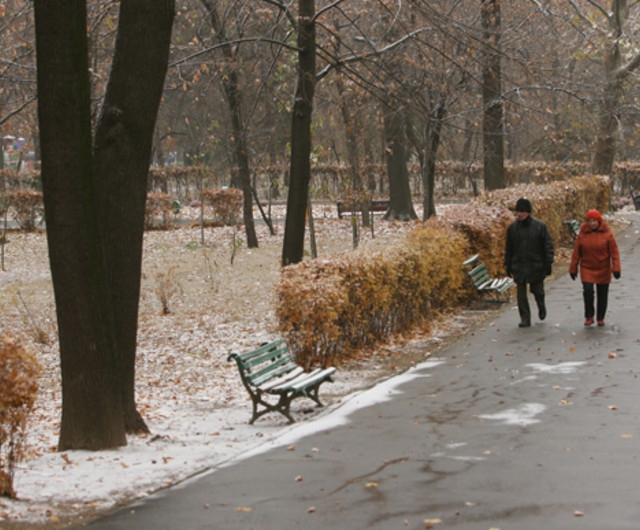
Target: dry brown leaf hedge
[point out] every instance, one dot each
(19, 372)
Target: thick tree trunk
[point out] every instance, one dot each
(400, 203)
(124, 139)
(605, 144)
(92, 412)
(293, 245)
(493, 121)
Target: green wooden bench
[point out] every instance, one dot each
(271, 371)
(574, 228)
(494, 289)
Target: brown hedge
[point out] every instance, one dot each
(19, 372)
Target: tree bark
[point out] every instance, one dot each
(605, 144)
(434, 129)
(293, 245)
(493, 121)
(122, 153)
(95, 202)
(400, 203)
(92, 413)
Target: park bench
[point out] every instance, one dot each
(349, 206)
(574, 228)
(493, 289)
(271, 371)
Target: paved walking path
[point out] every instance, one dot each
(508, 428)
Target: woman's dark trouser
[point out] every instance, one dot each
(537, 290)
(602, 292)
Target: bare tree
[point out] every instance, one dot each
(493, 121)
(94, 196)
(293, 244)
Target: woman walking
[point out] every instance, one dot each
(596, 252)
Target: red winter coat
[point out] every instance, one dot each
(596, 251)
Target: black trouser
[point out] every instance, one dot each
(602, 290)
(537, 290)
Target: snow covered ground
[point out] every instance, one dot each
(190, 396)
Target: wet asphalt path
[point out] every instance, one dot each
(507, 429)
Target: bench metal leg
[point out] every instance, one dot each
(282, 406)
(312, 393)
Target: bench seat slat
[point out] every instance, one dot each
(281, 380)
(305, 379)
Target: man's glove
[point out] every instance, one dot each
(616, 275)
(573, 275)
(548, 269)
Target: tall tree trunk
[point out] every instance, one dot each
(400, 203)
(433, 142)
(122, 152)
(605, 144)
(294, 229)
(241, 173)
(95, 203)
(349, 121)
(92, 412)
(493, 121)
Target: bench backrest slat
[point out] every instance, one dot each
(282, 366)
(479, 275)
(269, 346)
(264, 357)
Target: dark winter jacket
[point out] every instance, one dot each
(529, 251)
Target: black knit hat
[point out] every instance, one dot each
(523, 205)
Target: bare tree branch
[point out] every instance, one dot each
(366, 55)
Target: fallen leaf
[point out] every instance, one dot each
(244, 509)
(613, 407)
(612, 355)
(578, 514)
(311, 509)
(371, 485)
(298, 478)
(291, 448)
(626, 436)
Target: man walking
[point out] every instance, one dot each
(528, 258)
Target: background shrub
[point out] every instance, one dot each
(159, 211)
(27, 206)
(226, 204)
(18, 388)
